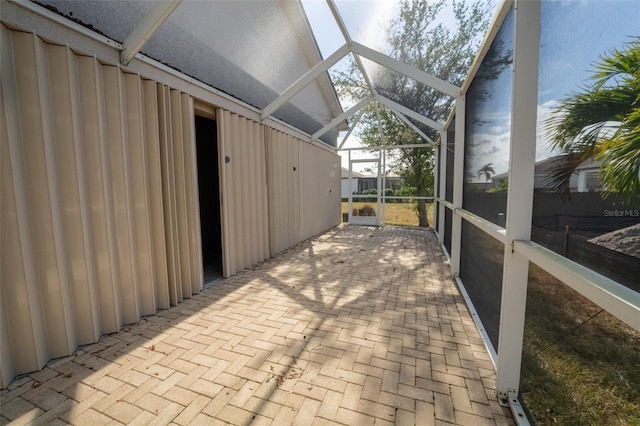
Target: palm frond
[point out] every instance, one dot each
(558, 178)
(601, 121)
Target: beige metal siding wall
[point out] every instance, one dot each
(319, 175)
(99, 213)
(304, 190)
(244, 194)
(284, 190)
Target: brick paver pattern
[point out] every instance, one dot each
(358, 326)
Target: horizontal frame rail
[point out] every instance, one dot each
(404, 197)
(615, 298)
(496, 231)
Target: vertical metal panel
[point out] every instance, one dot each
(270, 148)
(303, 190)
(319, 190)
(294, 181)
(18, 280)
(244, 199)
(226, 194)
(137, 151)
(275, 208)
(253, 189)
(99, 201)
(156, 210)
(264, 193)
(284, 197)
(37, 140)
(180, 200)
(306, 171)
(121, 189)
(191, 190)
(100, 196)
(71, 177)
(168, 191)
(101, 167)
(236, 187)
(261, 189)
(242, 175)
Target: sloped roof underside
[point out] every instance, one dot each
(263, 53)
(252, 50)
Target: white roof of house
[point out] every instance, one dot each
(345, 174)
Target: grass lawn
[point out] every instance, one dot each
(397, 213)
(581, 366)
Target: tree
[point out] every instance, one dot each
(487, 171)
(602, 121)
(418, 38)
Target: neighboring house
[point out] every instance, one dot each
(589, 176)
(345, 188)
(363, 181)
(586, 178)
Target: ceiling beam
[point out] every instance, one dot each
(353, 126)
(159, 12)
(413, 126)
(303, 81)
(416, 74)
(357, 107)
(345, 33)
(394, 106)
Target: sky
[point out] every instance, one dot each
(574, 34)
(366, 21)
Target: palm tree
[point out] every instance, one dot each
(602, 121)
(487, 171)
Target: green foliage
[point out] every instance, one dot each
(486, 171)
(503, 186)
(370, 192)
(407, 191)
(418, 38)
(602, 121)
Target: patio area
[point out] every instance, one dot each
(357, 326)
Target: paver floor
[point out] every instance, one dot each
(358, 326)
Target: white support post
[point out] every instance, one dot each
(522, 154)
(159, 13)
(442, 176)
(350, 189)
(458, 179)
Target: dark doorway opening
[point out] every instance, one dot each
(209, 192)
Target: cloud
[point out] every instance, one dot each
(543, 140)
